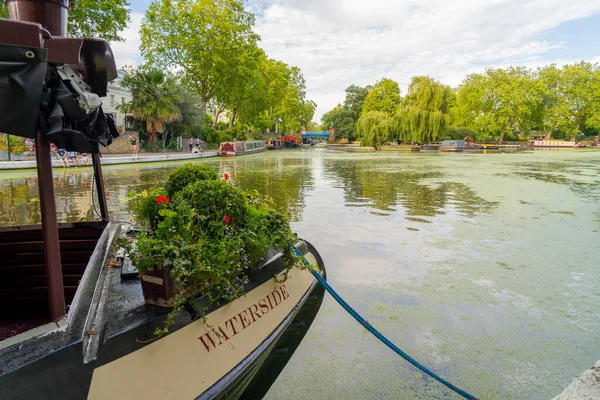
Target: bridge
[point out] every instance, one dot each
(322, 135)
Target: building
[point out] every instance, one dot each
(116, 95)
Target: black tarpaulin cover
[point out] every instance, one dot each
(22, 72)
(35, 95)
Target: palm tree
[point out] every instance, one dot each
(156, 99)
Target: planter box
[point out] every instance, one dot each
(158, 287)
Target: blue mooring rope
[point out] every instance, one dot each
(378, 335)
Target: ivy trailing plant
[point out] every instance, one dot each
(208, 233)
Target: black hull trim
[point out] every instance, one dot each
(63, 375)
(254, 376)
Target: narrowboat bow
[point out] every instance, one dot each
(106, 348)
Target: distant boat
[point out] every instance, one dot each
(552, 143)
(452, 145)
(490, 147)
(291, 141)
(230, 149)
(274, 144)
(431, 147)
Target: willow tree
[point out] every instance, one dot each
(424, 114)
(156, 99)
(374, 128)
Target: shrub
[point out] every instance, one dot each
(17, 144)
(144, 206)
(187, 174)
(210, 235)
(213, 200)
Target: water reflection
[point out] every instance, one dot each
(421, 190)
(286, 180)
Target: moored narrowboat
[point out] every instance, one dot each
(274, 144)
(231, 149)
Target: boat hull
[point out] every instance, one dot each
(190, 362)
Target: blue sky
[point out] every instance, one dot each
(337, 43)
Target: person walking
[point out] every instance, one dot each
(134, 145)
(190, 142)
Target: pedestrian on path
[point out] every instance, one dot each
(190, 142)
(134, 146)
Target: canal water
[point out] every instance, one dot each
(484, 267)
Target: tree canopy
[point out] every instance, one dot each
(384, 96)
(344, 117)
(156, 99)
(214, 48)
(93, 18)
(424, 113)
(509, 102)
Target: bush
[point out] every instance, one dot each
(187, 174)
(144, 206)
(210, 235)
(17, 144)
(213, 200)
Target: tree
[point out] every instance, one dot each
(384, 96)
(374, 128)
(93, 18)
(192, 121)
(206, 39)
(571, 98)
(156, 99)
(498, 102)
(293, 111)
(424, 114)
(342, 120)
(344, 117)
(355, 98)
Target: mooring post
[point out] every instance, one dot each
(52, 15)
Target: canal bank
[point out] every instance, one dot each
(115, 160)
(585, 386)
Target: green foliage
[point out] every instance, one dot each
(374, 128)
(144, 208)
(187, 174)
(156, 99)
(458, 134)
(342, 120)
(17, 144)
(384, 96)
(93, 18)
(209, 237)
(214, 46)
(344, 117)
(206, 39)
(424, 114)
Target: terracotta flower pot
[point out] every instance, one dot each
(158, 287)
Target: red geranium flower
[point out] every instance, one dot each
(226, 219)
(226, 177)
(162, 200)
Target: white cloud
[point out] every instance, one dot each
(340, 42)
(127, 52)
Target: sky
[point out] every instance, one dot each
(338, 43)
